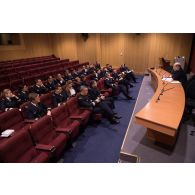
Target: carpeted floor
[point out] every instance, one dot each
(102, 144)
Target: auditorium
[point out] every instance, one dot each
(97, 98)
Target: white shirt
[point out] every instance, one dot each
(72, 92)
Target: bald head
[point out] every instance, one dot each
(176, 66)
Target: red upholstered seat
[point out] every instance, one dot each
(46, 99)
(23, 108)
(19, 148)
(102, 88)
(43, 132)
(12, 119)
(76, 112)
(63, 123)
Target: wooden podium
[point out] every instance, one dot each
(162, 114)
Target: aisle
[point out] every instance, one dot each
(102, 144)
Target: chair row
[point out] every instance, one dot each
(14, 80)
(32, 65)
(26, 61)
(44, 139)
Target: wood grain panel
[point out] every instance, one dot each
(138, 51)
(32, 45)
(65, 46)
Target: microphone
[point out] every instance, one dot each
(161, 92)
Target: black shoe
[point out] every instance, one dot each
(130, 98)
(117, 117)
(131, 85)
(114, 121)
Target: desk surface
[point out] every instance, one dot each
(168, 111)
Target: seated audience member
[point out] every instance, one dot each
(129, 73)
(90, 69)
(95, 75)
(84, 70)
(77, 84)
(103, 72)
(74, 74)
(70, 91)
(84, 81)
(95, 93)
(51, 83)
(35, 108)
(97, 66)
(39, 87)
(179, 74)
(116, 87)
(23, 94)
(59, 96)
(97, 106)
(9, 100)
(67, 75)
(80, 72)
(109, 68)
(121, 78)
(60, 80)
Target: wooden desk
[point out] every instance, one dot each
(162, 118)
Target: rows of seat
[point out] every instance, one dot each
(44, 139)
(26, 61)
(26, 75)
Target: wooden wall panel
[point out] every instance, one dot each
(137, 51)
(144, 50)
(34, 45)
(112, 49)
(65, 46)
(86, 49)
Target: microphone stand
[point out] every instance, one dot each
(162, 90)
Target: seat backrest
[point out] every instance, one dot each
(72, 105)
(46, 99)
(9, 119)
(18, 148)
(59, 114)
(42, 131)
(100, 84)
(24, 108)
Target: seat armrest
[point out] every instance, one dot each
(29, 121)
(45, 147)
(82, 108)
(76, 117)
(63, 130)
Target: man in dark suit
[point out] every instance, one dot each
(60, 80)
(74, 73)
(23, 94)
(129, 73)
(51, 83)
(96, 106)
(9, 100)
(35, 108)
(77, 84)
(116, 88)
(95, 93)
(178, 73)
(95, 76)
(67, 75)
(39, 87)
(59, 96)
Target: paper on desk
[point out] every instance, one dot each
(168, 79)
(175, 82)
